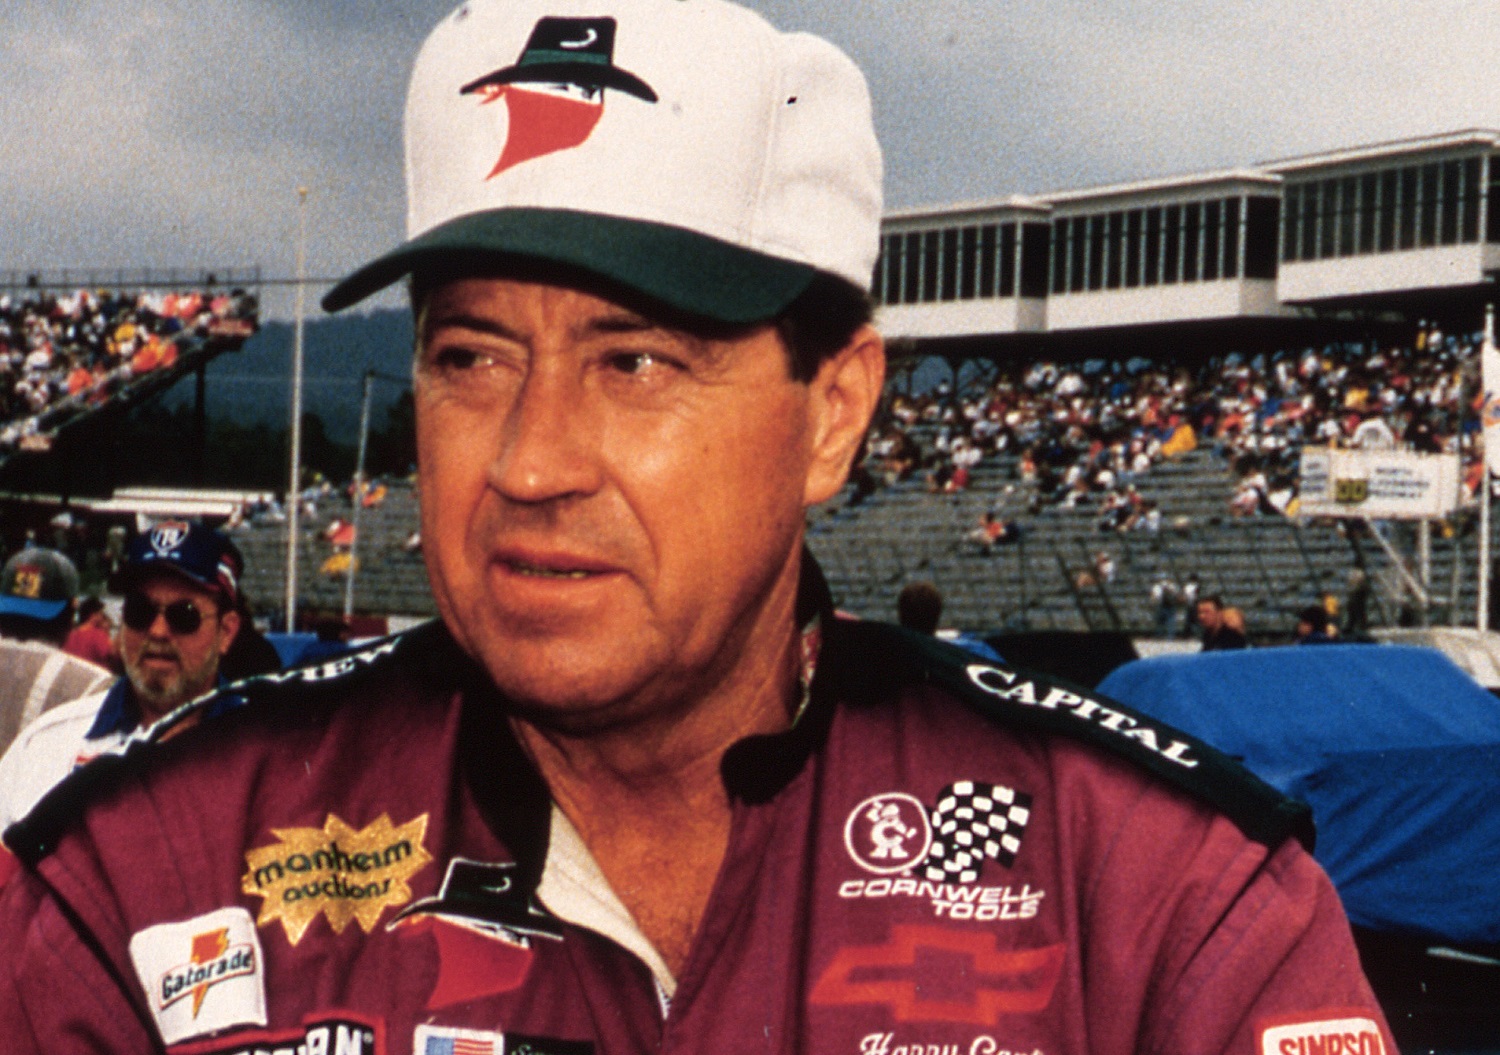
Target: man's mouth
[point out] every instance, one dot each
(542, 572)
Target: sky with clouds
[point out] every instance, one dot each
(164, 133)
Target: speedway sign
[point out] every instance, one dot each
(1380, 485)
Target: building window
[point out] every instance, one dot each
(1213, 219)
(1406, 198)
(1077, 244)
(1292, 224)
(931, 257)
(1034, 252)
(888, 270)
(948, 276)
(1172, 249)
(1348, 206)
(911, 269)
(1328, 209)
(1060, 256)
(1449, 203)
(1133, 224)
(968, 262)
(1096, 252)
(987, 261)
(1113, 247)
(1492, 217)
(1368, 187)
(1311, 197)
(1232, 238)
(1388, 211)
(1291, 232)
(1260, 236)
(1192, 238)
(1152, 269)
(1427, 231)
(1008, 261)
(1470, 198)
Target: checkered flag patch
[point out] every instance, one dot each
(972, 822)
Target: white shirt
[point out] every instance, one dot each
(46, 751)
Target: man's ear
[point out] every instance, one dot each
(229, 628)
(842, 400)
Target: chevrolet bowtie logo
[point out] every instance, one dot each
(893, 974)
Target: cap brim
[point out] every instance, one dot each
(682, 269)
(131, 574)
(46, 611)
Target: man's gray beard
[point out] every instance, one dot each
(157, 693)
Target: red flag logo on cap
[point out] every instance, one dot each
(554, 94)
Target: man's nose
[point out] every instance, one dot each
(158, 629)
(548, 445)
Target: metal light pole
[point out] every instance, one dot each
(359, 486)
(293, 499)
(1487, 410)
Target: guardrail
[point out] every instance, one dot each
(131, 278)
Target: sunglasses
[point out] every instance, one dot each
(140, 612)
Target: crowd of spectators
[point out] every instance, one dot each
(63, 355)
(1081, 434)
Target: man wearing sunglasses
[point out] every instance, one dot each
(180, 582)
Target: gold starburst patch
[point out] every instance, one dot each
(335, 870)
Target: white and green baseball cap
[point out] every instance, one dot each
(684, 149)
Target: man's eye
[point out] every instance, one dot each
(633, 362)
(456, 359)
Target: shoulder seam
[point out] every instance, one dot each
(1024, 699)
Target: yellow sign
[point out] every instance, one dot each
(337, 871)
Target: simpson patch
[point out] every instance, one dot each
(1352, 1035)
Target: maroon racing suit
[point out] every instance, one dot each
(941, 856)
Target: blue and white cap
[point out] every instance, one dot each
(189, 550)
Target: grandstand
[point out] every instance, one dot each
(72, 349)
(1123, 377)
(1273, 305)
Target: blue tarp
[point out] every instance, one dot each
(297, 649)
(1396, 750)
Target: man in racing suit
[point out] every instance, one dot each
(639, 790)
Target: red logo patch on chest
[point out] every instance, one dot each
(933, 974)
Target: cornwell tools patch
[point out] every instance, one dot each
(938, 853)
(335, 871)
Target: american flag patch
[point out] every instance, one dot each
(440, 1040)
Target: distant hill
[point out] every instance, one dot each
(253, 386)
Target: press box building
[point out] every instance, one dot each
(1364, 238)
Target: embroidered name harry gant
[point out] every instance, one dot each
(336, 871)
